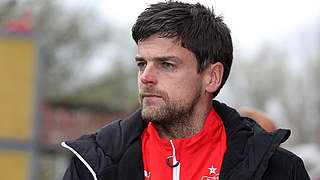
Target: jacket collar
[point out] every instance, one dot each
(249, 147)
(115, 138)
(237, 136)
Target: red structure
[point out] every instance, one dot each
(22, 24)
(59, 123)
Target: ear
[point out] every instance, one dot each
(214, 77)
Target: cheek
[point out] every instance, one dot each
(189, 87)
(139, 81)
(182, 88)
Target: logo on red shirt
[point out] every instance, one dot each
(214, 175)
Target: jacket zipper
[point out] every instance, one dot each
(176, 170)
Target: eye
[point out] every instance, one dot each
(167, 65)
(141, 64)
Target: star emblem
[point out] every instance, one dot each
(212, 170)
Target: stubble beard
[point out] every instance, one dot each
(169, 112)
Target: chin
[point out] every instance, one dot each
(149, 113)
(148, 110)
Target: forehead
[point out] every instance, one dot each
(158, 47)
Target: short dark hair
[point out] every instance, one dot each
(196, 27)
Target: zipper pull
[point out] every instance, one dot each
(176, 163)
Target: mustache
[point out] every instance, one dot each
(151, 90)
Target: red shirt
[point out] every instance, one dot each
(200, 157)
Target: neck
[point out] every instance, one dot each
(189, 125)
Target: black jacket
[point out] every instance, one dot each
(114, 153)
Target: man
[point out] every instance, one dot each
(184, 58)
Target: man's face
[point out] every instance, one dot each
(169, 85)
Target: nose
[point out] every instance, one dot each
(148, 75)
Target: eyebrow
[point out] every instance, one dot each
(163, 58)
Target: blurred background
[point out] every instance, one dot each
(67, 68)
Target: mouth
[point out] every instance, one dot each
(147, 96)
